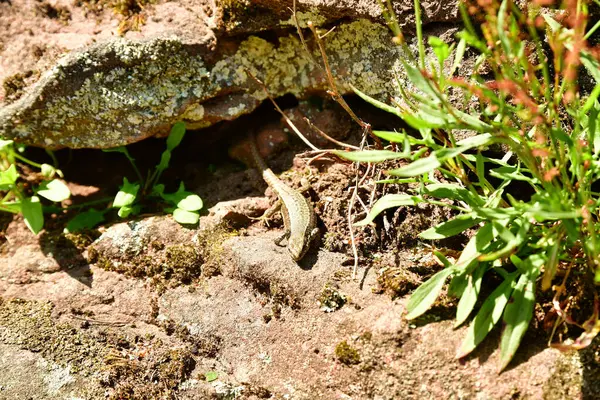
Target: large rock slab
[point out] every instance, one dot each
(191, 63)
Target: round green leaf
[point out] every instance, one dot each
(85, 220)
(48, 171)
(126, 196)
(5, 144)
(32, 213)
(211, 376)
(8, 177)
(186, 217)
(54, 190)
(191, 202)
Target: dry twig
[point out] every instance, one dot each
(287, 119)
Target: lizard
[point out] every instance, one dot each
(299, 219)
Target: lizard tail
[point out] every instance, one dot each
(256, 158)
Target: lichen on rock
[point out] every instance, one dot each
(122, 91)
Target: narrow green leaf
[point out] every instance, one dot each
(473, 122)
(483, 139)
(423, 298)
(388, 201)
(434, 115)
(593, 127)
(493, 213)
(470, 294)
(54, 190)
(418, 123)
(85, 220)
(397, 181)
(457, 285)
(165, 159)
(542, 215)
(501, 29)
(474, 248)
(452, 191)
(12, 207)
(418, 167)
(512, 173)
(480, 169)
(421, 82)
(126, 196)
(120, 149)
(512, 241)
(591, 64)
(440, 48)
(186, 217)
(591, 100)
(473, 41)
(369, 155)
(552, 264)
(532, 265)
(379, 104)
(488, 316)
(176, 135)
(552, 23)
(395, 137)
(427, 164)
(32, 213)
(459, 55)
(445, 262)
(517, 315)
(450, 228)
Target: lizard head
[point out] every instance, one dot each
(297, 248)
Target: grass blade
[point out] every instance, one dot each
(488, 316)
(517, 315)
(423, 298)
(369, 155)
(450, 228)
(389, 201)
(475, 247)
(379, 104)
(470, 294)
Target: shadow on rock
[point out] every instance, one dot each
(590, 380)
(67, 250)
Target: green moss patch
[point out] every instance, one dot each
(347, 354)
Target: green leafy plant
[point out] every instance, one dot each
(184, 205)
(17, 197)
(530, 104)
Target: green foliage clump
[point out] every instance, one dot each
(17, 196)
(331, 299)
(184, 205)
(534, 109)
(347, 354)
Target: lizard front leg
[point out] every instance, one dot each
(284, 236)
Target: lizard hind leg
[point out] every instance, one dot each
(269, 213)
